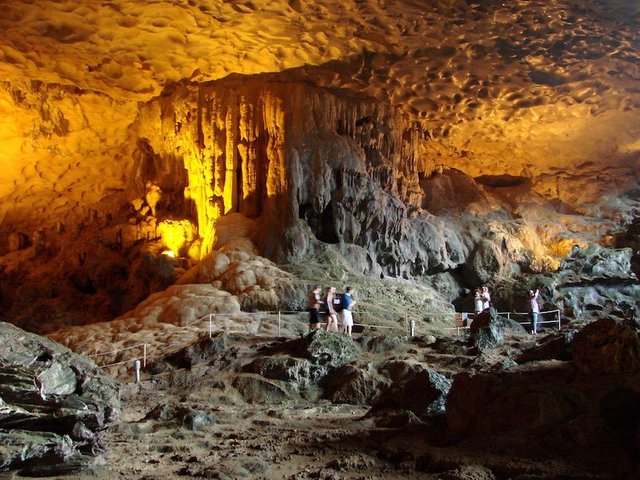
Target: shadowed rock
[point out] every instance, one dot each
(555, 346)
(52, 404)
(393, 384)
(257, 389)
(205, 351)
(606, 346)
(586, 404)
(488, 330)
(186, 417)
(414, 387)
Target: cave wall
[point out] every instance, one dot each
(315, 163)
(434, 135)
(280, 151)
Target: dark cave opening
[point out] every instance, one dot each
(327, 227)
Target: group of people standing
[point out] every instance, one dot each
(336, 307)
(482, 301)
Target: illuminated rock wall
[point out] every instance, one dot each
(311, 163)
(294, 157)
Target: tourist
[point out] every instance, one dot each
(332, 315)
(314, 307)
(534, 310)
(477, 301)
(486, 298)
(346, 317)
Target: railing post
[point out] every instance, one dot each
(136, 368)
(508, 315)
(144, 355)
(412, 328)
(559, 322)
(279, 319)
(210, 326)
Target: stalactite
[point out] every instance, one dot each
(236, 142)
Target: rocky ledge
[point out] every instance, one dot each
(53, 404)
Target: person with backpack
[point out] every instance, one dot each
(346, 317)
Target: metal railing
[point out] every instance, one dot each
(407, 327)
(143, 346)
(213, 325)
(557, 319)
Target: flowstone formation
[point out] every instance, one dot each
(453, 142)
(306, 162)
(177, 176)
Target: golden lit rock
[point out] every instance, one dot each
(401, 128)
(177, 235)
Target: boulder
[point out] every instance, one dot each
(558, 405)
(355, 385)
(205, 351)
(413, 387)
(606, 346)
(380, 343)
(257, 389)
(509, 400)
(297, 371)
(187, 418)
(324, 350)
(53, 403)
(488, 330)
(555, 346)
(390, 418)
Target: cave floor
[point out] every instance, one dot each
(316, 440)
(313, 439)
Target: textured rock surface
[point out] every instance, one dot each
(250, 397)
(594, 281)
(488, 81)
(488, 330)
(581, 403)
(607, 346)
(418, 138)
(413, 387)
(53, 404)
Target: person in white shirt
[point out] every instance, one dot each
(477, 301)
(534, 310)
(486, 298)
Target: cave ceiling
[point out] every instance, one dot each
(546, 90)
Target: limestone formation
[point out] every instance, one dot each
(595, 280)
(53, 404)
(488, 330)
(176, 176)
(578, 397)
(410, 137)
